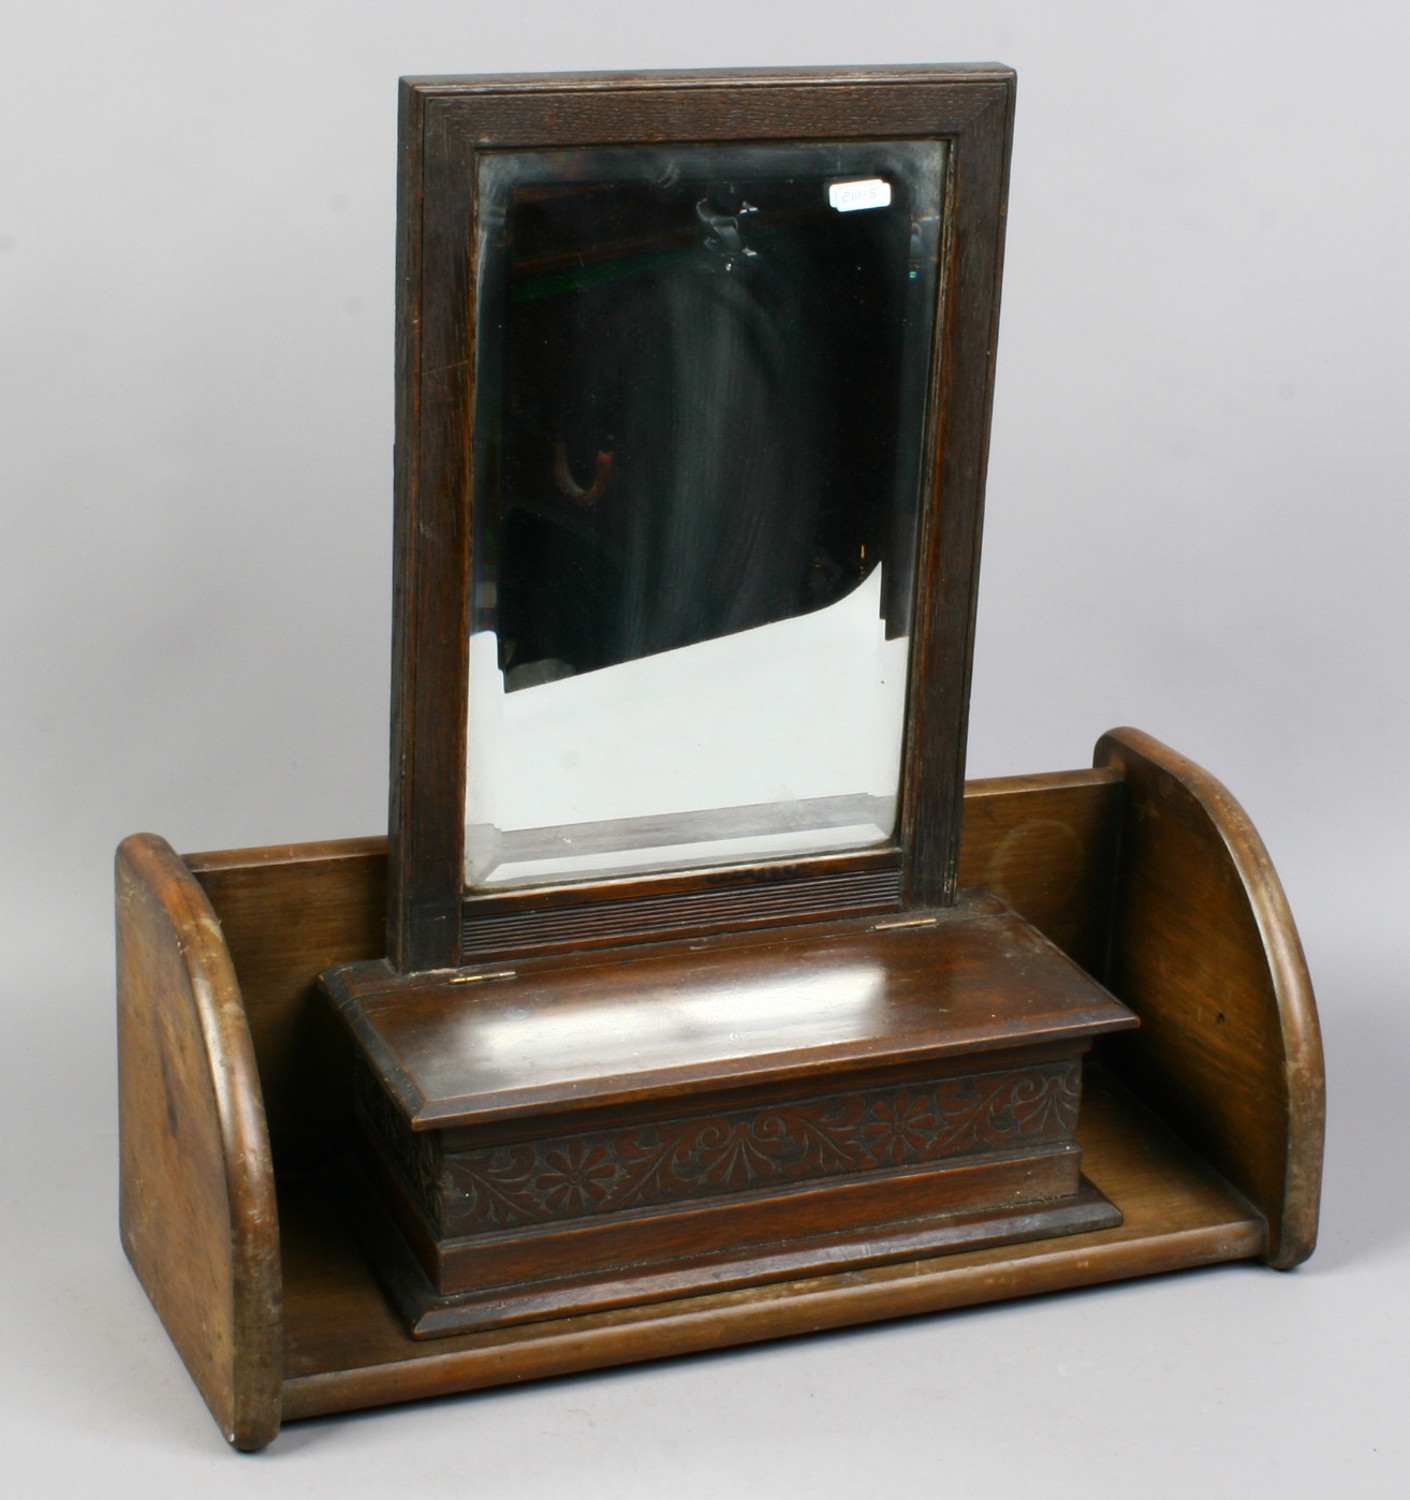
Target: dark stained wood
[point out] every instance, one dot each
(1046, 845)
(942, 650)
(575, 1211)
(1204, 949)
(559, 919)
(287, 914)
(431, 566)
(1050, 837)
(630, 1025)
(704, 1231)
(1047, 1200)
(445, 123)
(198, 1214)
(645, 1122)
(346, 1346)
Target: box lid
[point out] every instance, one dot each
(464, 1047)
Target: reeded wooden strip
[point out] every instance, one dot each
(198, 1215)
(450, 85)
(699, 911)
(1206, 953)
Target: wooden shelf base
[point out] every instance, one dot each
(1204, 1127)
(346, 1346)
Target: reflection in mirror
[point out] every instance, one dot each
(701, 378)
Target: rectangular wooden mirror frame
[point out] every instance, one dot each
(446, 123)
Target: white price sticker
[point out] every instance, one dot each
(867, 192)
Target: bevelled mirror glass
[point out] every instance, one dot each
(701, 378)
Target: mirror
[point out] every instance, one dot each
(701, 381)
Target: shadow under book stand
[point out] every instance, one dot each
(1204, 1126)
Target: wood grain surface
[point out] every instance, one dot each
(288, 914)
(1146, 855)
(1205, 951)
(346, 1347)
(1046, 844)
(636, 1024)
(198, 1213)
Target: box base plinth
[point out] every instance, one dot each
(429, 1314)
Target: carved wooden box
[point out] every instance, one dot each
(650, 1123)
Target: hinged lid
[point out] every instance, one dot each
(471, 1046)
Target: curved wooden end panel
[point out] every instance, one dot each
(1204, 949)
(198, 1214)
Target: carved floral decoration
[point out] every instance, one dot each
(496, 1188)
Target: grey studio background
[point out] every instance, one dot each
(1197, 524)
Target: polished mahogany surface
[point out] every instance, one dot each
(467, 1046)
